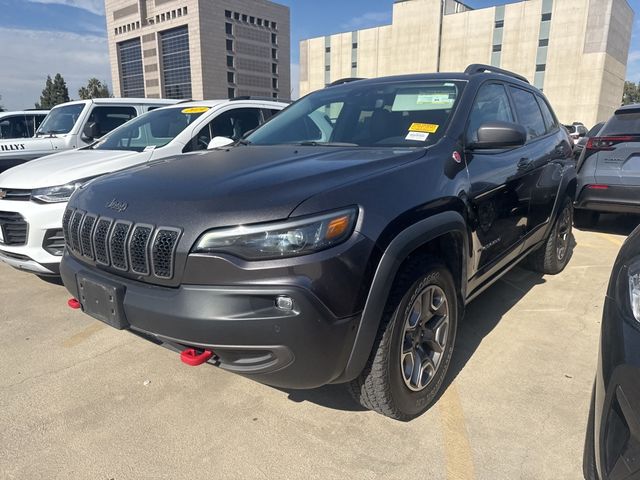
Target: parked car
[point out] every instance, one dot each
(577, 131)
(579, 147)
(609, 169)
(340, 241)
(21, 124)
(613, 429)
(74, 125)
(33, 196)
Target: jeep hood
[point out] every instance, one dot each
(64, 167)
(241, 185)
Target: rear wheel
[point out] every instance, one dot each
(554, 255)
(585, 218)
(414, 345)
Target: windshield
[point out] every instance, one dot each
(400, 114)
(61, 119)
(154, 129)
(622, 124)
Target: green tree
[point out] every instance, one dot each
(94, 89)
(54, 93)
(631, 93)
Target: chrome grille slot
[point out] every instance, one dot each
(85, 236)
(118, 245)
(136, 248)
(163, 252)
(74, 231)
(101, 239)
(139, 249)
(14, 228)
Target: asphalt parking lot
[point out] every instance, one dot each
(80, 400)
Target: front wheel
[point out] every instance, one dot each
(554, 255)
(414, 345)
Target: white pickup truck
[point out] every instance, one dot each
(20, 124)
(33, 196)
(73, 125)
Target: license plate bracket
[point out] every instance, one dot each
(103, 301)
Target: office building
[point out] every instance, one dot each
(574, 50)
(200, 49)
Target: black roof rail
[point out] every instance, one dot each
(266, 99)
(481, 68)
(342, 81)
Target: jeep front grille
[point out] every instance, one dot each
(138, 248)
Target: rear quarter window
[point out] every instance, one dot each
(528, 112)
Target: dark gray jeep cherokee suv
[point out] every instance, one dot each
(339, 242)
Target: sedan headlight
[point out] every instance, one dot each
(280, 240)
(634, 289)
(60, 193)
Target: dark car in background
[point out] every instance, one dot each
(579, 147)
(612, 446)
(609, 169)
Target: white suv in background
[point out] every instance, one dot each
(74, 125)
(33, 196)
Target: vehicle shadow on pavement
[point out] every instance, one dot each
(615, 224)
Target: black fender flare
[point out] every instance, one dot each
(398, 250)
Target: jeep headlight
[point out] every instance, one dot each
(280, 240)
(57, 194)
(634, 289)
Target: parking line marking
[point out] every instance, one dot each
(618, 241)
(458, 456)
(81, 336)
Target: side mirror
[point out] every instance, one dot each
(91, 130)
(219, 142)
(496, 135)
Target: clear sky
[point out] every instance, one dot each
(40, 37)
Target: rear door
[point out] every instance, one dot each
(618, 150)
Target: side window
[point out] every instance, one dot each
(231, 124)
(14, 127)
(528, 111)
(491, 105)
(549, 119)
(110, 118)
(267, 113)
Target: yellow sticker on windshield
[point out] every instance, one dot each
(423, 127)
(195, 110)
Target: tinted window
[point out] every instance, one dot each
(61, 119)
(491, 105)
(34, 123)
(595, 129)
(549, 119)
(400, 114)
(231, 124)
(154, 129)
(14, 127)
(528, 111)
(622, 124)
(110, 118)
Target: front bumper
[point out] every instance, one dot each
(40, 218)
(617, 397)
(303, 348)
(614, 199)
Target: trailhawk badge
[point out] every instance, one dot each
(117, 205)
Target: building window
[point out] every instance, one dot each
(274, 38)
(499, 24)
(274, 53)
(544, 42)
(227, 13)
(259, 22)
(274, 25)
(354, 65)
(231, 77)
(541, 67)
(252, 19)
(176, 63)
(354, 45)
(327, 50)
(231, 93)
(244, 18)
(274, 83)
(267, 23)
(230, 61)
(131, 70)
(546, 17)
(228, 28)
(497, 48)
(236, 15)
(327, 68)
(184, 10)
(230, 45)
(275, 95)
(274, 68)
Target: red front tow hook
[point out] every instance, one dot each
(73, 303)
(190, 356)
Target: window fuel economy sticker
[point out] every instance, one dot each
(423, 127)
(195, 110)
(417, 136)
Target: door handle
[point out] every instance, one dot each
(524, 163)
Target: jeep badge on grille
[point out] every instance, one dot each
(117, 205)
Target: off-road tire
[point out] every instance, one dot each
(380, 386)
(547, 259)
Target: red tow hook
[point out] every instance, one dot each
(73, 303)
(190, 356)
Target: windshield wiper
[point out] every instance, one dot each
(242, 142)
(326, 144)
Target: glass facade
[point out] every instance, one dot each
(176, 64)
(131, 72)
